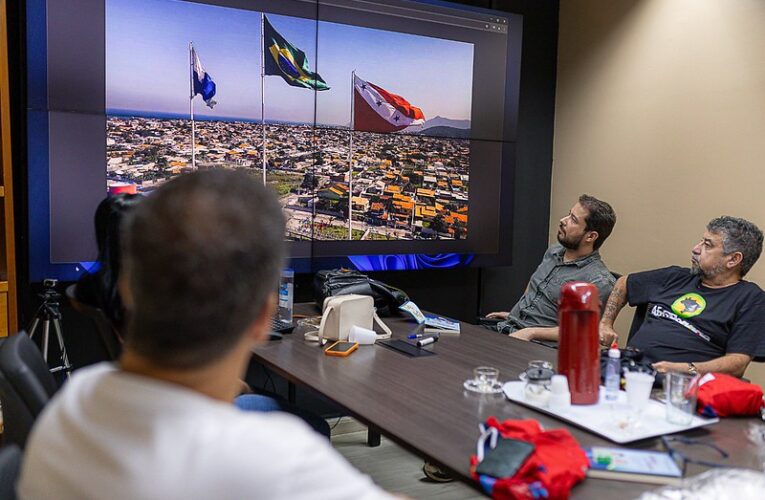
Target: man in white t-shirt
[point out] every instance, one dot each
(202, 258)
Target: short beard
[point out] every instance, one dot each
(571, 245)
(696, 270)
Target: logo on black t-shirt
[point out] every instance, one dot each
(657, 311)
(689, 305)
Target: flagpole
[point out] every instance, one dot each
(414, 209)
(350, 159)
(263, 88)
(191, 103)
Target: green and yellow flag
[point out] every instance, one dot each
(285, 60)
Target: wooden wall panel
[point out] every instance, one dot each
(8, 303)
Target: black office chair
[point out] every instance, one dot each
(26, 386)
(637, 320)
(10, 466)
(109, 338)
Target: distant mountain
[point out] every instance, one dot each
(441, 127)
(440, 121)
(456, 133)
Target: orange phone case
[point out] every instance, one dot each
(329, 352)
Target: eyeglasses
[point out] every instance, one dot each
(683, 459)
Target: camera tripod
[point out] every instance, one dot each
(48, 313)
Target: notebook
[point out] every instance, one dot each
(440, 324)
(639, 466)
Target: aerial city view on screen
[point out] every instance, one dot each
(185, 91)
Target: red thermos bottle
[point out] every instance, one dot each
(579, 340)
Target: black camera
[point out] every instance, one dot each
(49, 293)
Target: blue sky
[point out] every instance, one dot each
(147, 63)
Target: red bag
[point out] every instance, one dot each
(554, 467)
(723, 395)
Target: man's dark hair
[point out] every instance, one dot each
(738, 235)
(601, 218)
(203, 254)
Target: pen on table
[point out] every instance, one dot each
(426, 341)
(422, 335)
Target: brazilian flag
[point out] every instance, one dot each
(285, 60)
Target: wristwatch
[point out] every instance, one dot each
(692, 370)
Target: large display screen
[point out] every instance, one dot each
(383, 127)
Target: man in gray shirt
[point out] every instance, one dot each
(574, 258)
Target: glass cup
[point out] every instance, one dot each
(537, 385)
(535, 364)
(680, 390)
(538, 363)
(485, 378)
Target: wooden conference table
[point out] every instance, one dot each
(420, 403)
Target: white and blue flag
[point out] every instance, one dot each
(202, 82)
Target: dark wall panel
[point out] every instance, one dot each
(501, 287)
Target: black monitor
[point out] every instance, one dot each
(387, 128)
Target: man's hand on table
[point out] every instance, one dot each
(607, 335)
(668, 366)
(498, 315)
(524, 334)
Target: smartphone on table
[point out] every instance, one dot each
(341, 348)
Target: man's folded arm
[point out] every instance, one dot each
(615, 303)
(732, 363)
(537, 333)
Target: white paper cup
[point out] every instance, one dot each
(639, 387)
(559, 384)
(361, 335)
(560, 401)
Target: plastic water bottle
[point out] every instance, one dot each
(286, 295)
(613, 373)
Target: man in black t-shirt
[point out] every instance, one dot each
(704, 319)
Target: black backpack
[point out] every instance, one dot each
(332, 282)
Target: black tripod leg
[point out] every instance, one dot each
(46, 338)
(64, 356)
(33, 327)
(35, 321)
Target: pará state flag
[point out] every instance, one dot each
(202, 81)
(377, 110)
(285, 60)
